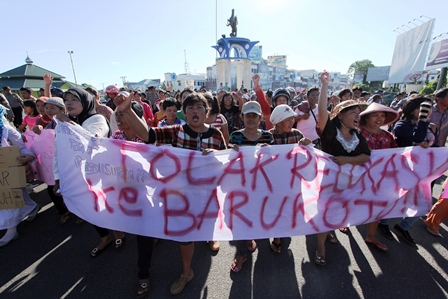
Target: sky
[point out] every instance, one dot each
(143, 39)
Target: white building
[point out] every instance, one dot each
(181, 81)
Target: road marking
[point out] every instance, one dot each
(26, 275)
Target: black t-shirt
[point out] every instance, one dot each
(332, 146)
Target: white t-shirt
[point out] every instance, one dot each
(308, 126)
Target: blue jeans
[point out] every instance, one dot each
(405, 222)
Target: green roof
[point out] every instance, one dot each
(29, 70)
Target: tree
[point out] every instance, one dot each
(360, 67)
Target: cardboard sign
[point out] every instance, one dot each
(8, 156)
(11, 199)
(11, 176)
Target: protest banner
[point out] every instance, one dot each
(11, 178)
(42, 146)
(256, 192)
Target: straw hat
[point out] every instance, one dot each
(347, 104)
(391, 114)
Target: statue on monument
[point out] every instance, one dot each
(232, 22)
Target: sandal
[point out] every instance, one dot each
(65, 218)
(180, 283)
(79, 221)
(377, 245)
(344, 230)
(320, 260)
(97, 251)
(234, 266)
(120, 242)
(276, 248)
(434, 232)
(331, 238)
(252, 246)
(143, 288)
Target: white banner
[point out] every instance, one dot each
(257, 192)
(411, 50)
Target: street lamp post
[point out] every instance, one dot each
(73, 67)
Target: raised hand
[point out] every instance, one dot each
(256, 79)
(123, 102)
(48, 79)
(325, 78)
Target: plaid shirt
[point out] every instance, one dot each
(185, 137)
(379, 141)
(286, 138)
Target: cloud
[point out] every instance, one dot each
(115, 62)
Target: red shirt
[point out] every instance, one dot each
(379, 141)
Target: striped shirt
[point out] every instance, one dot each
(286, 138)
(185, 137)
(219, 121)
(238, 137)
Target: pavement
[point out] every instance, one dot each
(50, 260)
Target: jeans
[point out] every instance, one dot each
(405, 222)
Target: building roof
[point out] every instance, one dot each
(30, 70)
(31, 75)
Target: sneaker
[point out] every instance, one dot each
(385, 231)
(405, 234)
(33, 213)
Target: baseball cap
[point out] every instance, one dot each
(251, 107)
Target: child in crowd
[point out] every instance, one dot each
(170, 107)
(54, 106)
(251, 135)
(32, 115)
(194, 135)
(40, 106)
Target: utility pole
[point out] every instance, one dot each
(442, 78)
(73, 67)
(186, 63)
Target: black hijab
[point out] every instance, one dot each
(87, 101)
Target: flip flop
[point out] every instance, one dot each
(252, 247)
(143, 288)
(377, 245)
(344, 230)
(276, 248)
(331, 238)
(234, 266)
(434, 232)
(97, 251)
(320, 260)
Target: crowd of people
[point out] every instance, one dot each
(348, 125)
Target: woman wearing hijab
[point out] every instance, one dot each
(80, 106)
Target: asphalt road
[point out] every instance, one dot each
(50, 260)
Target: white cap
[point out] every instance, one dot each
(280, 113)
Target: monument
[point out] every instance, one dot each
(233, 51)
